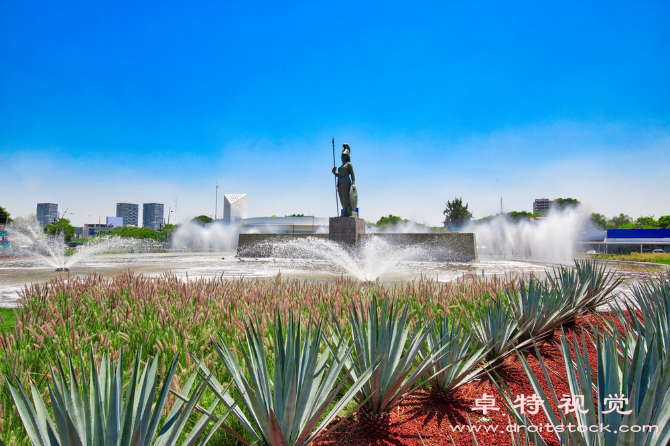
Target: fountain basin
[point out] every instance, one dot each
(266, 245)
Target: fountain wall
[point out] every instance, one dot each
(450, 247)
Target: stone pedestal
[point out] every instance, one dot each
(346, 229)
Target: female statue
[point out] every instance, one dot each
(345, 179)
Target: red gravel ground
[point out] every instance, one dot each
(437, 420)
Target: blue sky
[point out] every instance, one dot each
(103, 103)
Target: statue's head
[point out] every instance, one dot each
(345, 153)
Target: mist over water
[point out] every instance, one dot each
(402, 228)
(31, 241)
(551, 239)
(218, 236)
(215, 237)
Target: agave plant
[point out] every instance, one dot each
(566, 283)
(600, 281)
(538, 308)
(638, 381)
(653, 301)
(287, 407)
(495, 328)
(460, 362)
(97, 413)
(385, 342)
(590, 285)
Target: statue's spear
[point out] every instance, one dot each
(337, 204)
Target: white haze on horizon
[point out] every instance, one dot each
(218, 236)
(551, 239)
(215, 237)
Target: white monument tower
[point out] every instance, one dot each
(234, 207)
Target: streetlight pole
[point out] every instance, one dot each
(216, 199)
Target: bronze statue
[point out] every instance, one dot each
(346, 181)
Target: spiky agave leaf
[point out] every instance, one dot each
(287, 407)
(590, 285)
(223, 395)
(601, 282)
(386, 342)
(461, 358)
(494, 326)
(653, 301)
(539, 308)
(641, 377)
(103, 417)
(651, 298)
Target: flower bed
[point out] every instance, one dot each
(279, 362)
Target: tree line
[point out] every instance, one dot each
(457, 216)
(623, 221)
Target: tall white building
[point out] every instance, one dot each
(234, 207)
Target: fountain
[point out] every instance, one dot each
(374, 258)
(348, 231)
(403, 253)
(548, 240)
(31, 241)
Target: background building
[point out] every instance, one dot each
(115, 221)
(129, 213)
(47, 213)
(234, 207)
(542, 204)
(625, 241)
(152, 215)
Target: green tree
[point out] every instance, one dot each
(646, 223)
(619, 221)
(391, 220)
(664, 222)
(562, 203)
(599, 220)
(6, 215)
(62, 226)
(523, 215)
(295, 215)
(133, 232)
(485, 219)
(168, 229)
(456, 215)
(202, 220)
